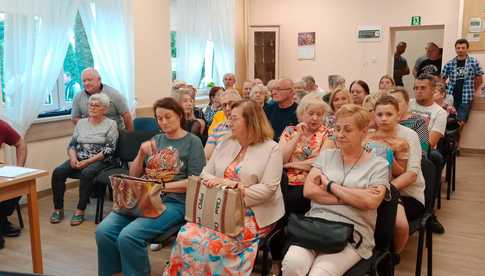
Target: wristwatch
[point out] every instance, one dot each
(329, 186)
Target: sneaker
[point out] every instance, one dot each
(57, 216)
(9, 230)
(77, 219)
(436, 226)
(155, 246)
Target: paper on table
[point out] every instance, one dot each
(13, 171)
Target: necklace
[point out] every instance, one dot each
(351, 168)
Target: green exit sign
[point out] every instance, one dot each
(416, 21)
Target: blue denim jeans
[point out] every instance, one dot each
(122, 240)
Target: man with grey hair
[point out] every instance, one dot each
(229, 80)
(282, 111)
(118, 109)
(432, 64)
(311, 86)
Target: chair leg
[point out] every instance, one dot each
(419, 254)
(99, 209)
(448, 177)
(453, 177)
(264, 264)
(429, 244)
(19, 214)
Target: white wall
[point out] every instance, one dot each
(335, 24)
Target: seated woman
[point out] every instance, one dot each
(359, 89)
(172, 157)
(410, 120)
(251, 161)
(214, 104)
(184, 97)
(338, 193)
(338, 98)
(259, 93)
(300, 146)
(92, 143)
(386, 83)
(384, 139)
(439, 97)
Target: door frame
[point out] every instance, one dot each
(392, 40)
(250, 47)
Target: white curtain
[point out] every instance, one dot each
(108, 25)
(36, 41)
(191, 19)
(223, 36)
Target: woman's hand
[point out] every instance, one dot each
(214, 182)
(301, 128)
(74, 163)
(323, 181)
(148, 148)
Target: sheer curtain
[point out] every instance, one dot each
(36, 41)
(223, 36)
(108, 25)
(191, 20)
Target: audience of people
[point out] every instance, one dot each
(254, 138)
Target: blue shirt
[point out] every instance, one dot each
(472, 70)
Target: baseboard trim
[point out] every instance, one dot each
(472, 151)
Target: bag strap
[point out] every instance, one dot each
(352, 240)
(196, 197)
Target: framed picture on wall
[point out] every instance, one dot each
(306, 45)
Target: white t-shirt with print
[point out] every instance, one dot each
(434, 115)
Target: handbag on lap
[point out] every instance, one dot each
(219, 208)
(137, 197)
(319, 234)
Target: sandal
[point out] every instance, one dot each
(57, 216)
(77, 219)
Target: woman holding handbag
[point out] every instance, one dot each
(251, 161)
(171, 157)
(346, 184)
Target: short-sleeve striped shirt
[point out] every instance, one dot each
(219, 133)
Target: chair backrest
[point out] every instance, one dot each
(429, 173)
(386, 220)
(129, 143)
(145, 124)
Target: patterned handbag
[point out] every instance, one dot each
(137, 197)
(219, 208)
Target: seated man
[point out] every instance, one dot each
(222, 129)
(9, 136)
(118, 109)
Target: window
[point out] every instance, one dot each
(207, 73)
(78, 57)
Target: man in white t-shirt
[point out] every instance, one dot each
(425, 106)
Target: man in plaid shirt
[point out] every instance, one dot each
(464, 76)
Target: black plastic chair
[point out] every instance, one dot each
(264, 244)
(145, 124)
(422, 224)
(381, 263)
(128, 146)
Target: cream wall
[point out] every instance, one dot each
(152, 77)
(335, 24)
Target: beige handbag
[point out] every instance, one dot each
(219, 208)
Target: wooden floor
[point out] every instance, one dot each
(460, 251)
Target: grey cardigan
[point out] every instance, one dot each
(261, 170)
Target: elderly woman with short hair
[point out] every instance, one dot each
(93, 142)
(259, 93)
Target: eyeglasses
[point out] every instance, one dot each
(282, 89)
(229, 104)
